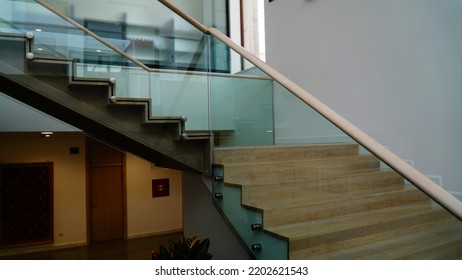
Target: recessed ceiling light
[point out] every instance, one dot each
(98, 50)
(46, 134)
(38, 29)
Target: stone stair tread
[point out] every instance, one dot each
(298, 170)
(297, 193)
(357, 220)
(325, 199)
(386, 173)
(419, 245)
(322, 207)
(274, 153)
(315, 161)
(388, 231)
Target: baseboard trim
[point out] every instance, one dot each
(40, 248)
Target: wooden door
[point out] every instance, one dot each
(106, 192)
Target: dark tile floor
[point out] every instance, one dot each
(133, 249)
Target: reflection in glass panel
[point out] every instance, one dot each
(297, 123)
(150, 32)
(242, 110)
(181, 94)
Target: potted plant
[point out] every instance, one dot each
(190, 248)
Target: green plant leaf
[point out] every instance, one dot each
(191, 248)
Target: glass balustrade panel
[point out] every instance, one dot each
(241, 101)
(145, 30)
(176, 52)
(181, 94)
(208, 12)
(12, 13)
(175, 90)
(56, 40)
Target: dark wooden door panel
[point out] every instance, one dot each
(26, 203)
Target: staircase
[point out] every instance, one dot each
(330, 202)
(51, 85)
(310, 202)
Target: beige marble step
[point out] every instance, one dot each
(442, 242)
(322, 251)
(362, 227)
(282, 153)
(296, 171)
(372, 182)
(323, 206)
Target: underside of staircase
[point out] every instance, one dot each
(90, 104)
(331, 202)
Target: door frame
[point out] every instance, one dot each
(88, 143)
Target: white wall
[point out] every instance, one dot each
(391, 67)
(147, 215)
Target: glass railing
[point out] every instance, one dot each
(147, 30)
(248, 108)
(177, 76)
(55, 38)
(241, 104)
(339, 203)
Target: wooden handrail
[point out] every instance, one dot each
(188, 18)
(444, 198)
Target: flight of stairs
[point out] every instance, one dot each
(330, 202)
(50, 84)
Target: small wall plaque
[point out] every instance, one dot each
(74, 150)
(160, 187)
